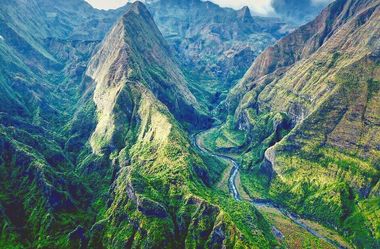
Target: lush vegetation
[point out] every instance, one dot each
(323, 161)
(100, 157)
(95, 137)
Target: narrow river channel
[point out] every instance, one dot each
(195, 138)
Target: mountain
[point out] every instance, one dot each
(154, 198)
(103, 117)
(41, 44)
(94, 147)
(43, 53)
(309, 106)
(148, 60)
(298, 12)
(211, 42)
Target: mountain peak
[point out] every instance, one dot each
(139, 8)
(245, 14)
(139, 13)
(246, 9)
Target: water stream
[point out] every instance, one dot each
(258, 202)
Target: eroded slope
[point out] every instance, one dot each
(322, 80)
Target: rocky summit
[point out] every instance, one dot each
(188, 124)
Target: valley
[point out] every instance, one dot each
(185, 124)
(298, 232)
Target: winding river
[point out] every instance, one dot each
(195, 138)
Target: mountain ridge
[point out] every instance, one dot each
(111, 157)
(103, 112)
(313, 95)
(151, 153)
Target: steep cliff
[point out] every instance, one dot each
(136, 51)
(324, 77)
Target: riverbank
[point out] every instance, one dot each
(289, 229)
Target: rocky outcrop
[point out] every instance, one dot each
(151, 208)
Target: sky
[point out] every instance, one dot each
(107, 4)
(262, 7)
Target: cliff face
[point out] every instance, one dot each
(213, 41)
(324, 77)
(294, 75)
(302, 44)
(45, 48)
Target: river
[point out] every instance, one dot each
(195, 138)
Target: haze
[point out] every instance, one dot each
(259, 6)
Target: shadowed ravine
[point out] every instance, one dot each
(195, 138)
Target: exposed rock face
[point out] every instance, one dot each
(214, 41)
(278, 65)
(325, 77)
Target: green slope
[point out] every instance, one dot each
(161, 194)
(94, 151)
(323, 80)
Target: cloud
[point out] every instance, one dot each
(107, 4)
(317, 2)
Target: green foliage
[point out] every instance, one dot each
(225, 138)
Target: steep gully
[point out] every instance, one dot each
(196, 141)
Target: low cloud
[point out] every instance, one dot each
(316, 2)
(107, 4)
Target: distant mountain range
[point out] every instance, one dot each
(221, 42)
(298, 12)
